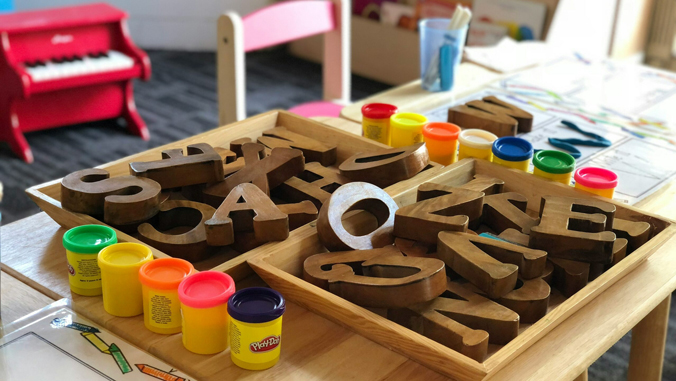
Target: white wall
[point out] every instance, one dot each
(166, 24)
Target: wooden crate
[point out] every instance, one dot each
(281, 266)
(48, 195)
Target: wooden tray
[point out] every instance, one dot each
(281, 267)
(48, 195)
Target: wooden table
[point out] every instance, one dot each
(315, 348)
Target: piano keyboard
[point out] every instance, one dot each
(77, 66)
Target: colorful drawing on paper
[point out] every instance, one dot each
(68, 347)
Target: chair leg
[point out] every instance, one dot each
(11, 133)
(135, 124)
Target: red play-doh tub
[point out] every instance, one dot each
(596, 180)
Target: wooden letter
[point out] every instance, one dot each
(389, 280)
(247, 208)
(636, 232)
(576, 229)
(202, 165)
(299, 214)
(619, 253)
(386, 167)
(315, 184)
(267, 173)
(515, 236)
(179, 215)
(460, 253)
(525, 119)
(356, 196)
(530, 299)
(486, 184)
(121, 200)
(477, 114)
(569, 276)
(313, 150)
(507, 210)
(412, 248)
(424, 220)
(461, 320)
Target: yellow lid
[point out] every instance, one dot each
(122, 256)
(476, 138)
(407, 120)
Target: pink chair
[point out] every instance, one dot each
(277, 24)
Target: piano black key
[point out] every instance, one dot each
(58, 60)
(77, 58)
(40, 63)
(30, 64)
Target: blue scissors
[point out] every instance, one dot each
(569, 144)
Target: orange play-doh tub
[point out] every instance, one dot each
(441, 140)
(160, 279)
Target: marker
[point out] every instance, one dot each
(97, 342)
(58, 322)
(121, 361)
(158, 373)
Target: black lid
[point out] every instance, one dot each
(256, 305)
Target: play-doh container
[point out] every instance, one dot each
(159, 281)
(120, 264)
(256, 327)
(82, 245)
(204, 309)
(376, 121)
(512, 152)
(406, 129)
(596, 180)
(475, 143)
(554, 165)
(441, 140)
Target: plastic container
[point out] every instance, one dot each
(406, 129)
(376, 121)
(440, 53)
(204, 307)
(476, 143)
(596, 180)
(441, 140)
(82, 245)
(256, 327)
(159, 280)
(554, 165)
(512, 152)
(120, 264)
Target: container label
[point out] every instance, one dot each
(83, 271)
(377, 131)
(164, 309)
(255, 343)
(265, 345)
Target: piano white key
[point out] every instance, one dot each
(88, 65)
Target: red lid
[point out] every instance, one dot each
(378, 110)
(206, 289)
(441, 131)
(596, 178)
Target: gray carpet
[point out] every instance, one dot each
(180, 101)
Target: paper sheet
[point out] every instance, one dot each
(56, 344)
(627, 151)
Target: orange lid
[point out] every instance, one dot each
(165, 273)
(441, 131)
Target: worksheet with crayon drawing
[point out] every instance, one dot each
(58, 345)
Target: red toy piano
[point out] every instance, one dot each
(65, 66)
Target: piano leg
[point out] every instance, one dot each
(11, 133)
(135, 124)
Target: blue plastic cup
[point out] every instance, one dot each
(440, 53)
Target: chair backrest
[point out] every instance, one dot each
(287, 21)
(277, 24)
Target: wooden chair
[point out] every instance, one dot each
(278, 24)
